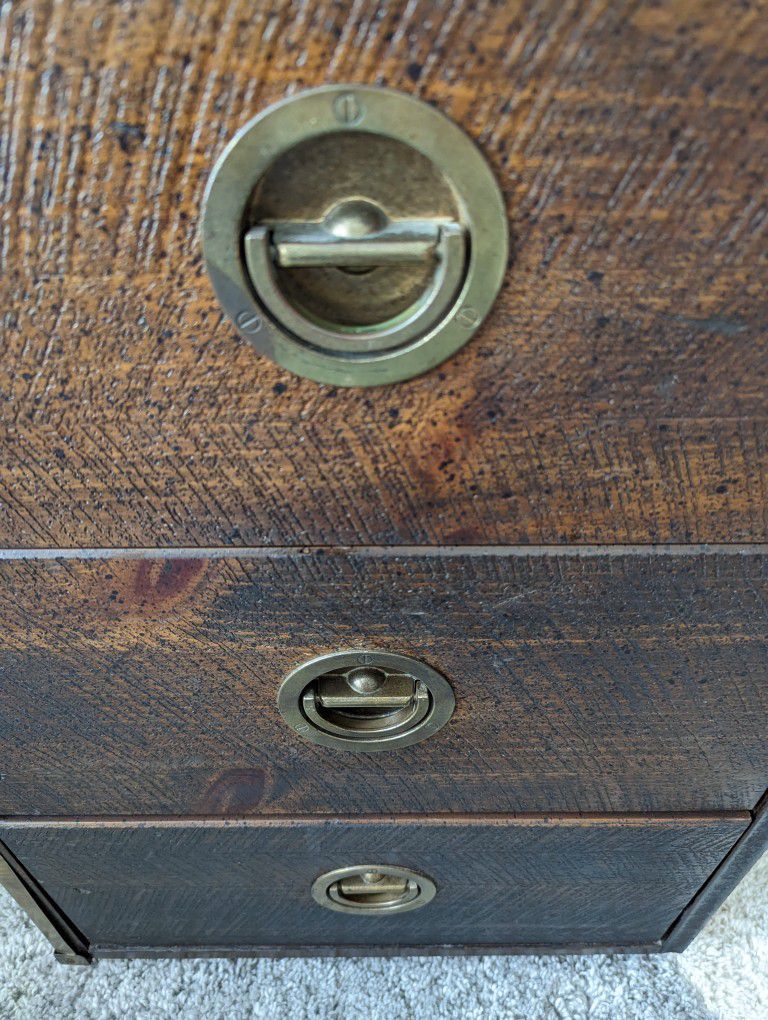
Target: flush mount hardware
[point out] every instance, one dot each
(373, 889)
(354, 249)
(365, 700)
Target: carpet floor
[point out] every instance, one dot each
(722, 976)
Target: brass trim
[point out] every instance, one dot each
(412, 702)
(68, 944)
(373, 890)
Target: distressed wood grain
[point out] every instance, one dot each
(584, 682)
(516, 881)
(615, 394)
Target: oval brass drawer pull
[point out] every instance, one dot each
(365, 700)
(373, 889)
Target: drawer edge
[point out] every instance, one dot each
(281, 821)
(745, 852)
(69, 945)
(110, 952)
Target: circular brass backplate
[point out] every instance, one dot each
(360, 169)
(373, 889)
(365, 700)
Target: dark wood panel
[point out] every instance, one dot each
(502, 881)
(632, 681)
(616, 393)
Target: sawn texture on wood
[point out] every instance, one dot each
(615, 394)
(623, 682)
(502, 881)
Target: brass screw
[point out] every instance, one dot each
(348, 109)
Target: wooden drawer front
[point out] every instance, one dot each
(616, 393)
(625, 682)
(513, 881)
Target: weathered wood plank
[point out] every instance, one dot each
(616, 393)
(508, 881)
(628, 681)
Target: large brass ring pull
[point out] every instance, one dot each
(373, 889)
(354, 234)
(365, 700)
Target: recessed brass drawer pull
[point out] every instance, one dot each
(355, 235)
(373, 889)
(365, 701)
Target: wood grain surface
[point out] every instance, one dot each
(615, 394)
(624, 682)
(501, 881)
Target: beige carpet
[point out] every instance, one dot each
(723, 976)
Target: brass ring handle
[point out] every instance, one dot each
(355, 234)
(266, 248)
(354, 252)
(365, 700)
(374, 714)
(373, 889)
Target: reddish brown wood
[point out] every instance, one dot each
(616, 393)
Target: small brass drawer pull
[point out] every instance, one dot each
(365, 701)
(354, 249)
(373, 889)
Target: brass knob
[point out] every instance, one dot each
(373, 889)
(354, 250)
(365, 700)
